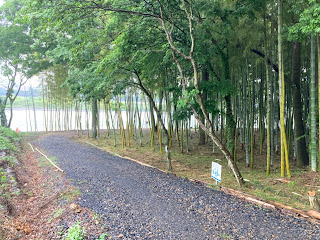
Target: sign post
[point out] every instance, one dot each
(216, 172)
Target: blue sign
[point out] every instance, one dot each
(216, 171)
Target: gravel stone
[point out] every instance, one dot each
(139, 202)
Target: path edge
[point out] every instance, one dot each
(236, 193)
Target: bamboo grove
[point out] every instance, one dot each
(238, 75)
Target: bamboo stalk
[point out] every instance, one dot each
(159, 136)
(112, 122)
(34, 111)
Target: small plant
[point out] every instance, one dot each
(7, 145)
(71, 194)
(76, 232)
(3, 178)
(57, 213)
(102, 236)
(267, 188)
(10, 160)
(96, 216)
(225, 236)
(4, 184)
(60, 230)
(292, 183)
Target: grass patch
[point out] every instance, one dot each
(71, 194)
(76, 232)
(56, 214)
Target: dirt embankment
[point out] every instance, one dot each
(38, 203)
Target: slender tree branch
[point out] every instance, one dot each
(273, 65)
(153, 104)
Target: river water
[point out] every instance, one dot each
(28, 121)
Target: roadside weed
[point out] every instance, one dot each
(7, 145)
(57, 213)
(102, 236)
(10, 160)
(71, 194)
(76, 232)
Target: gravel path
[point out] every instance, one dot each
(139, 202)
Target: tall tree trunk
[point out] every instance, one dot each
(205, 78)
(159, 117)
(230, 125)
(318, 45)
(269, 129)
(272, 117)
(246, 116)
(230, 122)
(284, 146)
(261, 113)
(152, 118)
(252, 113)
(301, 148)
(160, 100)
(11, 113)
(3, 116)
(313, 143)
(269, 96)
(94, 133)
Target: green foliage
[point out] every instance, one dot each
(57, 213)
(86, 84)
(310, 18)
(12, 135)
(6, 145)
(188, 98)
(4, 183)
(20, 102)
(3, 177)
(308, 13)
(183, 111)
(76, 232)
(20, 59)
(7, 137)
(102, 236)
(10, 160)
(181, 114)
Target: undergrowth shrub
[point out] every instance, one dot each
(76, 232)
(6, 145)
(4, 183)
(12, 135)
(9, 160)
(7, 150)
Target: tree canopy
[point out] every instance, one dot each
(213, 59)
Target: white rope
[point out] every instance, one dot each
(31, 147)
(50, 161)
